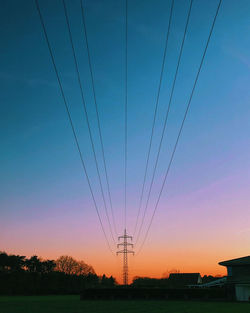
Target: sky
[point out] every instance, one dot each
(45, 203)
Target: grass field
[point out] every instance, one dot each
(72, 304)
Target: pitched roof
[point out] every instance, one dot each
(236, 262)
(184, 278)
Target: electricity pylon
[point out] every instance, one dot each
(125, 252)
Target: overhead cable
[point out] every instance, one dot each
(126, 113)
(166, 118)
(98, 118)
(87, 119)
(71, 123)
(182, 124)
(154, 118)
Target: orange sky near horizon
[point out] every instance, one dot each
(210, 229)
(197, 251)
(213, 227)
(146, 265)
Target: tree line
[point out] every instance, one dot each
(22, 275)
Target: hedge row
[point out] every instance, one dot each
(154, 293)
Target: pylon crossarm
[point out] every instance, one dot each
(125, 244)
(128, 251)
(125, 237)
(121, 251)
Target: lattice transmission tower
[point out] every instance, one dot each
(125, 253)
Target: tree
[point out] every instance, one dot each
(48, 266)
(38, 276)
(34, 264)
(70, 266)
(3, 261)
(146, 282)
(16, 262)
(208, 279)
(11, 263)
(173, 271)
(107, 281)
(37, 265)
(84, 269)
(66, 264)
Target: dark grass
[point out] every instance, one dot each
(72, 304)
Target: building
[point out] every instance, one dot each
(219, 282)
(238, 278)
(182, 280)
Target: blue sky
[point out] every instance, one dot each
(41, 174)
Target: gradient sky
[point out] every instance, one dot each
(45, 203)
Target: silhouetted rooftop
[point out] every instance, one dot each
(184, 278)
(236, 262)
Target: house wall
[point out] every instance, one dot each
(199, 280)
(242, 292)
(241, 272)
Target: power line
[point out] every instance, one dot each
(166, 117)
(71, 122)
(155, 113)
(97, 114)
(87, 118)
(126, 108)
(182, 124)
(125, 244)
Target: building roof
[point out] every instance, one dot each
(218, 282)
(184, 278)
(237, 262)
